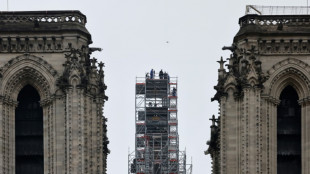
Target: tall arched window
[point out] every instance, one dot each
(289, 133)
(29, 132)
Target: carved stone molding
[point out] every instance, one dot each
(244, 70)
(277, 47)
(28, 57)
(290, 71)
(8, 101)
(271, 99)
(27, 69)
(31, 44)
(81, 71)
(304, 101)
(289, 76)
(26, 76)
(287, 61)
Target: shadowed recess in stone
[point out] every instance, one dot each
(29, 132)
(289, 133)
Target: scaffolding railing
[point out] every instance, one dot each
(189, 168)
(277, 10)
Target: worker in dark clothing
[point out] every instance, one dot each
(168, 77)
(174, 92)
(152, 73)
(147, 75)
(161, 74)
(165, 75)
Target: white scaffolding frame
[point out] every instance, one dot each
(156, 151)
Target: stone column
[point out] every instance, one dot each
(305, 135)
(2, 114)
(229, 134)
(268, 119)
(251, 126)
(93, 136)
(272, 134)
(60, 132)
(49, 135)
(10, 136)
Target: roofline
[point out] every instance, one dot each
(43, 13)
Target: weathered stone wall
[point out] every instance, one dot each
(268, 54)
(50, 51)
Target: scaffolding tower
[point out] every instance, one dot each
(156, 138)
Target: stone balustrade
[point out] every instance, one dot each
(43, 17)
(269, 20)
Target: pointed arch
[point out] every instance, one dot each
(290, 77)
(230, 83)
(289, 132)
(288, 72)
(14, 76)
(27, 69)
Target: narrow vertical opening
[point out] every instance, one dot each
(289, 133)
(29, 133)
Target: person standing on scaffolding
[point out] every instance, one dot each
(168, 77)
(152, 73)
(165, 75)
(147, 76)
(161, 74)
(174, 92)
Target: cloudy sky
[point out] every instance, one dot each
(183, 37)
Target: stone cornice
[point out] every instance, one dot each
(32, 44)
(284, 47)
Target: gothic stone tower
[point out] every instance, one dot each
(264, 99)
(51, 95)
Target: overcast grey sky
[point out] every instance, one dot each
(134, 35)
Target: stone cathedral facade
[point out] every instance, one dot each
(264, 99)
(52, 95)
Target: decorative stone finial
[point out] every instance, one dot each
(101, 65)
(214, 120)
(93, 62)
(221, 62)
